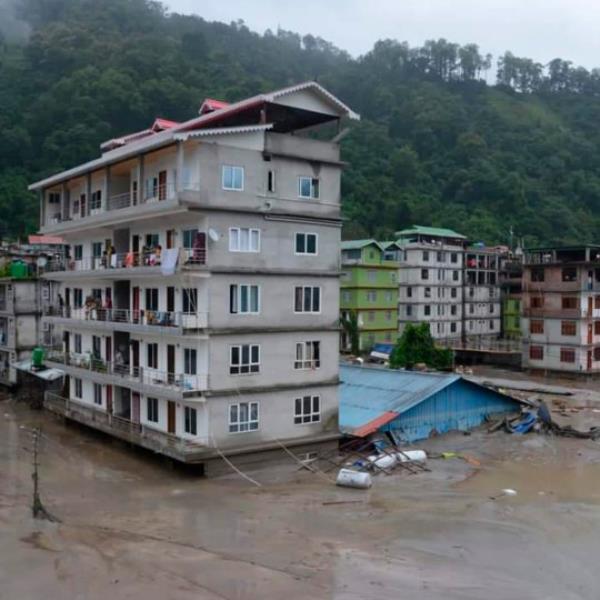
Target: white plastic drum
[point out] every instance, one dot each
(353, 479)
(412, 456)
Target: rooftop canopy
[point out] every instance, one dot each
(360, 244)
(288, 109)
(417, 230)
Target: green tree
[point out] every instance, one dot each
(416, 345)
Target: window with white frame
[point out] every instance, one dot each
(307, 409)
(78, 385)
(306, 243)
(77, 297)
(96, 200)
(190, 422)
(98, 394)
(244, 299)
(346, 296)
(189, 300)
(152, 355)
(233, 178)
(78, 251)
(308, 355)
(308, 187)
(190, 361)
(307, 299)
(244, 358)
(189, 237)
(243, 417)
(372, 296)
(152, 410)
(372, 275)
(389, 296)
(244, 239)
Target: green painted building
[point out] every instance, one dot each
(369, 294)
(511, 318)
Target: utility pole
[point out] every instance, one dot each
(38, 509)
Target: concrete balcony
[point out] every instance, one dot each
(136, 433)
(556, 313)
(146, 321)
(123, 265)
(153, 382)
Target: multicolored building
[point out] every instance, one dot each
(369, 295)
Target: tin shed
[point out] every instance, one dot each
(413, 405)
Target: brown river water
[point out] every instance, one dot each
(132, 527)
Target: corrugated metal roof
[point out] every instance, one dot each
(366, 392)
(358, 244)
(438, 231)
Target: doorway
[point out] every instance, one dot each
(171, 417)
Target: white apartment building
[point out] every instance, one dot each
(482, 292)
(200, 295)
(430, 280)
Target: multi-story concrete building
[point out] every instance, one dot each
(20, 310)
(200, 296)
(431, 279)
(561, 309)
(482, 302)
(369, 290)
(511, 274)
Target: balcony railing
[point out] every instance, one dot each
(187, 257)
(124, 371)
(137, 432)
(122, 200)
(146, 318)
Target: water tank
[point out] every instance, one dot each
(37, 358)
(18, 270)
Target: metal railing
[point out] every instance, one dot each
(481, 343)
(187, 257)
(143, 375)
(141, 433)
(147, 318)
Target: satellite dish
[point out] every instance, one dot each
(213, 234)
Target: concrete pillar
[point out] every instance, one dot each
(88, 193)
(107, 188)
(180, 167)
(64, 202)
(140, 179)
(42, 201)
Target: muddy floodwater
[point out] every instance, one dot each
(133, 528)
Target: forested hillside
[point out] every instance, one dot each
(436, 144)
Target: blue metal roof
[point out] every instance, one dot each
(366, 393)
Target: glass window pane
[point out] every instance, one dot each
(306, 404)
(254, 298)
(245, 355)
(254, 240)
(254, 411)
(255, 354)
(298, 299)
(311, 244)
(307, 299)
(300, 242)
(235, 355)
(244, 243)
(316, 306)
(244, 298)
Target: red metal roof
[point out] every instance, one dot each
(375, 424)
(46, 239)
(160, 124)
(210, 104)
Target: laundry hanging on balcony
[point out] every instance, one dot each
(169, 261)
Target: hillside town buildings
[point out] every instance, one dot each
(200, 292)
(369, 294)
(561, 309)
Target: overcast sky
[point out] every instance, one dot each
(538, 29)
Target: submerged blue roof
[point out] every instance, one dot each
(366, 392)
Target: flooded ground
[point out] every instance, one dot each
(134, 528)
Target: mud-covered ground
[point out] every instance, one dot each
(133, 528)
